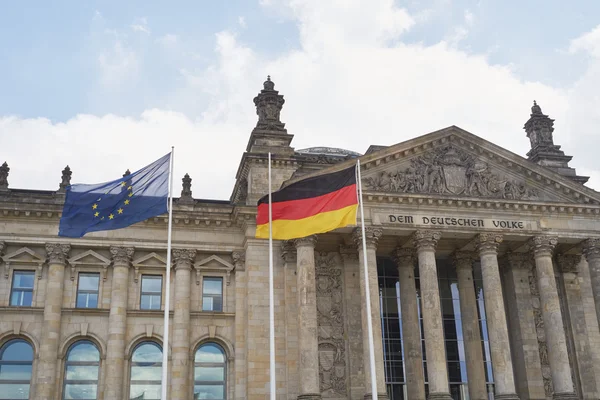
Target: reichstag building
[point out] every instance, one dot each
(484, 273)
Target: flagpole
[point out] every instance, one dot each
(374, 394)
(165, 359)
(271, 301)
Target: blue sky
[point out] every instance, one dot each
(96, 78)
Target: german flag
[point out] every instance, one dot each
(313, 205)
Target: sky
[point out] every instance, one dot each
(105, 86)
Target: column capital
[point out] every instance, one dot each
(463, 260)
(121, 255)
(372, 236)
(404, 257)
(591, 249)
(348, 253)
(488, 242)
(568, 263)
(288, 251)
(239, 260)
(542, 245)
(308, 241)
(57, 253)
(183, 258)
(426, 239)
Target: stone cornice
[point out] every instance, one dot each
(57, 253)
(488, 243)
(426, 239)
(542, 245)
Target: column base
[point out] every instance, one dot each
(439, 396)
(509, 396)
(564, 396)
(309, 396)
(380, 396)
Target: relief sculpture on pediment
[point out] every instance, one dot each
(449, 170)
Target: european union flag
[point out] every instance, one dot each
(116, 204)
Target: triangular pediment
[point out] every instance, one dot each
(453, 162)
(89, 257)
(214, 263)
(23, 256)
(151, 260)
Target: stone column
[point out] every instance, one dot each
(437, 369)
(411, 335)
(463, 262)
(48, 355)
(558, 357)
(372, 238)
(180, 372)
(591, 250)
(308, 340)
(504, 379)
(117, 322)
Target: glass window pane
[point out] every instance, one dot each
(82, 372)
(210, 353)
(83, 351)
(213, 286)
(23, 279)
(93, 300)
(146, 373)
(145, 392)
(17, 350)
(152, 284)
(209, 391)
(15, 373)
(217, 304)
(14, 391)
(80, 391)
(89, 281)
(207, 304)
(209, 374)
(147, 352)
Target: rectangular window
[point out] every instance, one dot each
(22, 288)
(87, 290)
(151, 292)
(212, 294)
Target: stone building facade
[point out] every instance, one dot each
(484, 272)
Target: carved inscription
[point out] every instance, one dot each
(332, 350)
(467, 222)
(450, 170)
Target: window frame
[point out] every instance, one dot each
(207, 364)
(213, 278)
(88, 292)
(142, 293)
(12, 286)
(142, 364)
(68, 363)
(3, 348)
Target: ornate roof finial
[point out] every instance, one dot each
(535, 109)
(4, 176)
(268, 106)
(186, 192)
(65, 179)
(269, 85)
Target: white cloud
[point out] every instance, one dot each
(351, 83)
(168, 40)
(141, 25)
(117, 63)
(242, 21)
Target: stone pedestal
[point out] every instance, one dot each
(117, 323)
(48, 355)
(372, 237)
(463, 263)
(558, 357)
(487, 246)
(411, 335)
(308, 340)
(180, 370)
(437, 370)
(591, 250)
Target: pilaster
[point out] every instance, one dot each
(591, 251)
(241, 311)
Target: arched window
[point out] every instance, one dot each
(146, 371)
(210, 372)
(16, 360)
(81, 371)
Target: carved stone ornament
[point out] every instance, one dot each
(288, 251)
(65, 179)
(426, 240)
(57, 253)
(309, 241)
(542, 245)
(268, 107)
(330, 317)
(4, 169)
(372, 236)
(239, 260)
(184, 258)
(121, 255)
(591, 249)
(186, 191)
(348, 253)
(567, 263)
(2, 246)
(404, 257)
(488, 242)
(539, 128)
(463, 260)
(451, 171)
